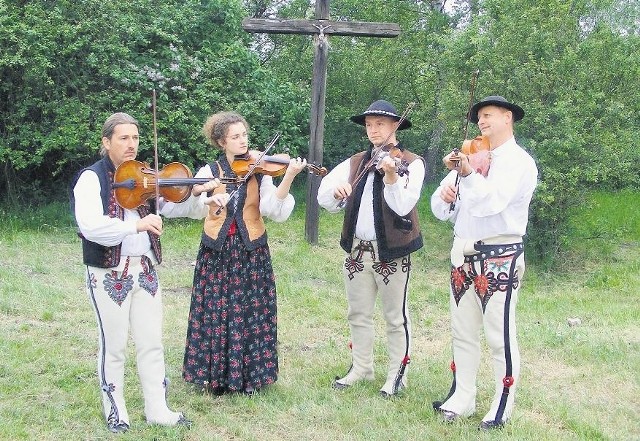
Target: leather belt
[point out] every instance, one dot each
(486, 251)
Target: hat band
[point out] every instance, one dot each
(380, 112)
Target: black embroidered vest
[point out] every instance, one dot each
(101, 256)
(397, 235)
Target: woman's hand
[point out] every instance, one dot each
(218, 199)
(198, 189)
(295, 166)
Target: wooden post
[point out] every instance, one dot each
(320, 27)
(316, 127)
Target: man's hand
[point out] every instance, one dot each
(151, 223)
(448, 193)
(457, 160)
(389, 166)
(342, 191)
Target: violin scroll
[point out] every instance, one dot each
(317, 170)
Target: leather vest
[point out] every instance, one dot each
(243, 208)
(396, 235)
(101, 256)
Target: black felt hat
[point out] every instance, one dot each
(495, 100)
(381, 108)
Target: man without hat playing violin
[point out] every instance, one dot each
(380, 231)
(121, 248)
(490, 214)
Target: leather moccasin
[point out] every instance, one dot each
(486, 426)
(117, 426)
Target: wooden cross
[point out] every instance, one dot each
(319, 28)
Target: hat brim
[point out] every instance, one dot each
(360, 119)
(518, 112)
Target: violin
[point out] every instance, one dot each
(135, 183)
(478, 144)
(274, 165)
(478, 150)
(402, 167)
(253, 162)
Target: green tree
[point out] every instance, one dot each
(66, 65)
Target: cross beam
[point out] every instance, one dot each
(311, 27)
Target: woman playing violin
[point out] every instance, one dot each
(380, 231)
(231, 334)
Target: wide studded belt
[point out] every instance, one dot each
(486, 251)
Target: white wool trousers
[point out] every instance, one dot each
(366, 277)
(130, 301)
(483, 297)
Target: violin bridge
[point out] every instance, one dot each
(145, 183)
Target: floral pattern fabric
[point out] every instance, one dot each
(493, 276)
(232, 331)
(148, 278)
(118, 287)
(353, 263)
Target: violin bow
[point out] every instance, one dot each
(253, 168)
(472, 91)
(155, 151)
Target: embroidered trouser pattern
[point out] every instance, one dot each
(490, 306)
(365, 277)
(123, 301)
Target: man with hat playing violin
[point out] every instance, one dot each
(489, 209)
(120, 249)
(380, 231)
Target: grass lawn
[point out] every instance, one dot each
(578, 382)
